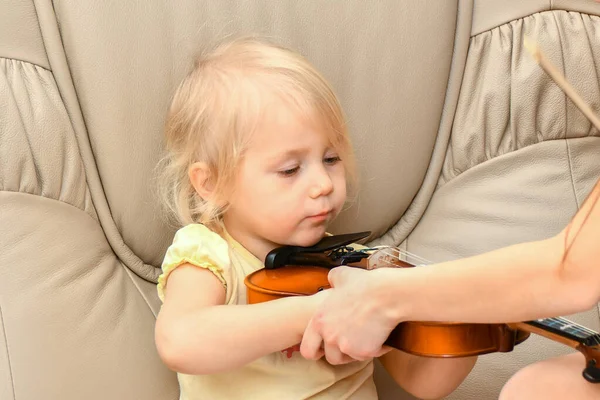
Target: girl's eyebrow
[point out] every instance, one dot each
(290, 153)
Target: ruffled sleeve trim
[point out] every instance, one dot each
(195, 244)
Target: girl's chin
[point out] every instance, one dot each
(310, 238)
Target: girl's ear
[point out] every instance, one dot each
(200, 177)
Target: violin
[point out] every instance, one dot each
(303, 271)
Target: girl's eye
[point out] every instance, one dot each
(332, 160)
(289, 172)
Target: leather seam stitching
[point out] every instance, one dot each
(12, 382)
(83, 211)
(27, 135)
(400, 230)
(25, 62)
(123, 265)
(137, 286)
(570, 162)
(551, 10)
(590, 41)
(51, 199)
(460, 172)
(39, 26)
(52, 36)
(568, 149)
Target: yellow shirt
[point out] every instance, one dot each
(274, 376)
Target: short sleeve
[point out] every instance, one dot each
(199, 246)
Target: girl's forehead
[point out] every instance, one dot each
(290, 132)
(283, 115)
(288, 119)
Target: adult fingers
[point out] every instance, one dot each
(384, 350)
(311, 345)
(335, 357)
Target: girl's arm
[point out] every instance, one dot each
(197, 334)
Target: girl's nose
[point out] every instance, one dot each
(322, 186)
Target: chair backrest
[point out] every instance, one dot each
(520, 158)
(464, 145)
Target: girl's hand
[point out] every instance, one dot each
(353, 321)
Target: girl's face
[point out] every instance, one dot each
(291, 183)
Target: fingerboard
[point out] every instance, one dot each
(568, 329)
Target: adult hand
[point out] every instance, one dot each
(355, 319)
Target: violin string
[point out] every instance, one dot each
(569, 327)
(386, 251)
(573, 325)
(416, 257)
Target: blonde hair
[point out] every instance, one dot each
(218, 105)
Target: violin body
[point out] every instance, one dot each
(303, 271)
(443, 339)
(430, 339)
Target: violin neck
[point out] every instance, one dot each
(562, 330)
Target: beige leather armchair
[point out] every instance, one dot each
(465, 145)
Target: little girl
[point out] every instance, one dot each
(259, 157)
